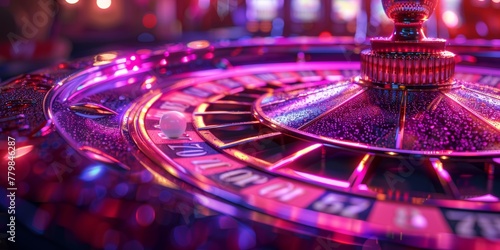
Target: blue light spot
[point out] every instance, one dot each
(165, 196)
(146, 37)
(92, 173)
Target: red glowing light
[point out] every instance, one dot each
(209, 55)
(325, 34)
(149, 20)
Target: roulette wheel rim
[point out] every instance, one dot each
(205, 64)
(176, 172)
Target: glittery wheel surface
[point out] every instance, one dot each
(459, 121)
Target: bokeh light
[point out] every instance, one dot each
(450, 18)
(149, 20)
(103, 4)
(347, 10)
(201, 44)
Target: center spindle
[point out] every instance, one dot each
(408, 17)
(408, 57)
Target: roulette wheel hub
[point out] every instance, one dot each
(402, 78)
(408, 58)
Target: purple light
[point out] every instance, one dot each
(181, 236)
(418, 221)
(481, 28)
(146, 176)
(41, 220)
(4, 3)
(246, 238)
(133, 245)
(165, 196)
(226, 222)
(121, 189)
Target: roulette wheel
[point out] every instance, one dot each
(265, 143)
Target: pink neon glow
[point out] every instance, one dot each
(487, 197)
(103, 4)
(121, 60)
(20, 152)
(121, 72)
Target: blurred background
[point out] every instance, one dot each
(38, 33)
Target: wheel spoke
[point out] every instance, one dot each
(402, 120)
(360, 171)
(249, 139)
(445, 179)
(228, 125)
(292, 158)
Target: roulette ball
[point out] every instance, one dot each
(262, 143)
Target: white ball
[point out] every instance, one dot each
(173, 124)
